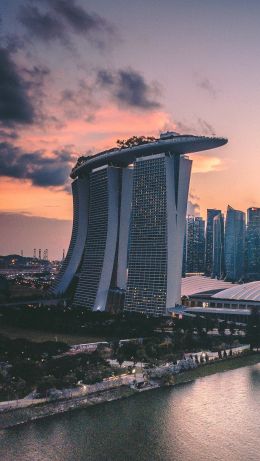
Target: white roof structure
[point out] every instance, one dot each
(199, 283)
(247, 291)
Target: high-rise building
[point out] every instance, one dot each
(194, 245)
(128, 225)
(211, 213)
(184, 255)
(234, 244)
(218, 263)
(253, 244)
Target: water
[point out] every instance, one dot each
(214, 418)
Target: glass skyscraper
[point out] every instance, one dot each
(211, 213)
(253, 244)
(234, 244)
(194, 250)
(218, 263)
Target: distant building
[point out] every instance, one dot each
(234, 244)
(218, 269)
(218, 299)
(194, 250)
(231, 297)
(211, 213)
(253, 244)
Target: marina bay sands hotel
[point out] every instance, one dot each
(128, 225)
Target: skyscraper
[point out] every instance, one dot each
(194, 251)
(128, 227)
(211, 213)
(253, 244)
(234, 244)
(218, 269)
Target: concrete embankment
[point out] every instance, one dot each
(19, 416)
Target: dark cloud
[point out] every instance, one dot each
(13, 42)
(129, 88)
(8, 134)
(15, 104)
(206, 85)
(38, 79)
(42, 25)
(81, 21)
(36, 166)
(62, 18)
(37, 73)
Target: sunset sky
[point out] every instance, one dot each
(76, 75)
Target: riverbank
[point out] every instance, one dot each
(20, 416)
(16, 416)
(218, 366)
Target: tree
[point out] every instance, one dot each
(221, 327)
(120, 359)
(134, 141)
(253, 329)
(46, 383)
(232, 328)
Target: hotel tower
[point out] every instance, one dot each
(128, 225)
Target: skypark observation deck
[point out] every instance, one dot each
(128, 225)
(176, 144)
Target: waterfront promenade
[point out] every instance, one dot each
(21, 411)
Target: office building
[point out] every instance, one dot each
(234, 244)
(194, 245)
(211, 213)
(253, 244)
(218, 262)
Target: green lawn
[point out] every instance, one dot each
(41, 336)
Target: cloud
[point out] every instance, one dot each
(206, 85)
(63, 18)
(42, 26)
(40, 169)
(199, 127)
(81, 21)
(207, 163)
(8, 134)
(129, 88)
(79, 102)
(206, 127)
(15, 103)
(193, 209)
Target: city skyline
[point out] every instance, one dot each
(91, 89)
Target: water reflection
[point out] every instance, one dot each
(255, 376)
(214, 418)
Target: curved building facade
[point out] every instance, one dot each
(129, 222)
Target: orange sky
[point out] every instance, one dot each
(188, 66)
